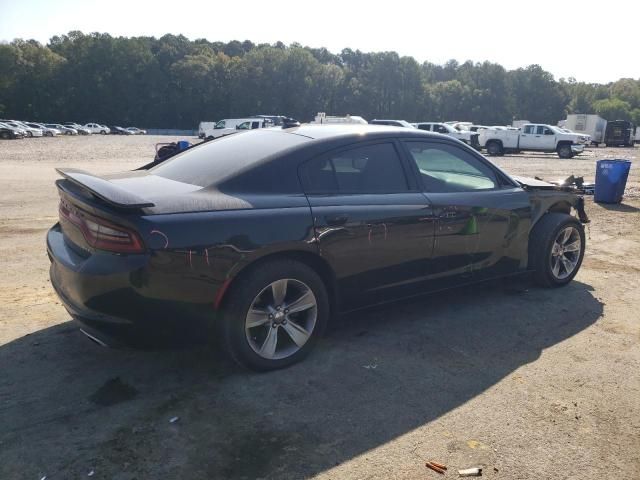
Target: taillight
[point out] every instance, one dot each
(101, 234)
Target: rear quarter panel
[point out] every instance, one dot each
(193, 255)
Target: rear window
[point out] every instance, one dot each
(222, 159)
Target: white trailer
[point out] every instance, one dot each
(323, 119)
(589, 124)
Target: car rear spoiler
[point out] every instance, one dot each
(104, 189)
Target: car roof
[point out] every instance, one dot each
(336, 130)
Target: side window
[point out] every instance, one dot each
(255, 125)
(368, 169)
(530, 129)
(220, 124)
(424, 126)
(548, 131)
(440, 129)
(244, 126)
(447, 168)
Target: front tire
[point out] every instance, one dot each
(564, 151)
(556, 249)
(274, 315)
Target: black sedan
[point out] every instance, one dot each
(257, 239)
(7, 132)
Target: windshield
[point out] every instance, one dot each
(556, 129)
(406, 124)
(220, 124)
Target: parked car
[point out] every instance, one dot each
(466, 136)
(279, 120)
(30, 131)
(8, 132)
(136, 131)
(62, 128)
(120, 131)
(286, 228)
(79, 128)
(620, 133)
(532, 137)
(230, 126)
(20, 131)
(391, 123)
(47, 131)
(97, 128)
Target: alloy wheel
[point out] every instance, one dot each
(565, 252)
(281, 319)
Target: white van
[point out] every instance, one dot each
(231, 125)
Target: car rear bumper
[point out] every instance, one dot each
(109, 296)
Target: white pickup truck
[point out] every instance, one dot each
(231, 125)
(467, 136)
(532, 137)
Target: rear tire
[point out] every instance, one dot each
(5, 136)
(247, 335)
(556, 249)
(494, 149)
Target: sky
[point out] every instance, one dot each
(581, 39)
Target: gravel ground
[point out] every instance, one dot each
(526, 382)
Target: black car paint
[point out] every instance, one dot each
(369, 248)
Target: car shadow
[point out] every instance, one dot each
(69, 406)
(619, 207)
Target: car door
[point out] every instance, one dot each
(372, 223)
(546, 138)
(483, 218)
(529, 138)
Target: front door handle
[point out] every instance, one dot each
(336, 220)
(449, 215)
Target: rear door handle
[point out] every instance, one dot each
(336, 220)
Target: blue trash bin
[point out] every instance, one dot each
(611, 180)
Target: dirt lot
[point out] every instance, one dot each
(525, 382)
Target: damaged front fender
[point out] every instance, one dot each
(547, 197)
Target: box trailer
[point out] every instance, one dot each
(589, 124)
(620, 133)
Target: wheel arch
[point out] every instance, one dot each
(311, 260)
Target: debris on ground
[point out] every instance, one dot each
(372, 366)
(91, 473)
(174, 419)
(470, 472)
(436, 467)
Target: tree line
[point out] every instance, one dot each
(173, 82)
